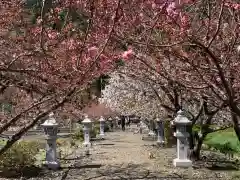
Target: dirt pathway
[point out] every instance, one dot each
(122, 148)
(122, 155)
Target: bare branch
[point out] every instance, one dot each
(218, 24)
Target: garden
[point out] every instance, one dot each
(149, 59)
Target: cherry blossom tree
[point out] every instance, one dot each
(51, 51)
(131, 97)
(194, 44)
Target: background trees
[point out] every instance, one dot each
(131, 97)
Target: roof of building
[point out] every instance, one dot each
(97, 110)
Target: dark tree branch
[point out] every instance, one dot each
(20, 133)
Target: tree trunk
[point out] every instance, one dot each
(191, 141)
(168, 134)
(173, 138)
(195, 152)
(198, 147)
(191, 144)
(191, 137)
(195, 144)
(236, 125)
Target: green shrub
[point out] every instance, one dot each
(21, 154)
(79, 133)
(235, 176)
(94, 131)
(106, 127)
(61, 142)
(196, 128)
(2, 142)
(209, 128)
(225, 148)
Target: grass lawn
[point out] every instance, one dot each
(2, 142)
(225, 139)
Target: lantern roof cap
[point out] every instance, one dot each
(51, 121)
(86, 120)
(101, 119)
(181, 118)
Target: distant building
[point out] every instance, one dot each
(96, 110)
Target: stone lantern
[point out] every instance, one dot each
(50, 127)
(140, 127)
(182, 135)
(117, 119)
(102, 124)
(151, 128)
(87, 124)
(160, 130)
(110, 121)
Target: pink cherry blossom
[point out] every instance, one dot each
(235, 6)
(127, 54)
(171, 9)
(52, 35)
(185, 21)
(93, 51)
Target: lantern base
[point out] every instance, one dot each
(87, 152)
(160, 142)
(87, 144)
(182, 163)
(54, 165)
(151, 133)
(101, 135)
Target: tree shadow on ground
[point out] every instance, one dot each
(26, 172)
(44, 172)
(160, 146)
(106, 144)
(217, 164)
(133, 171)
(87, 166)
(221, 167)
(97, 139)
(121, 141)
(72, 159)
(124, 172)
(77, 168)
(118, 141)
(218, 160)
(120, 172)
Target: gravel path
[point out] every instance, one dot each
(122, 155)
